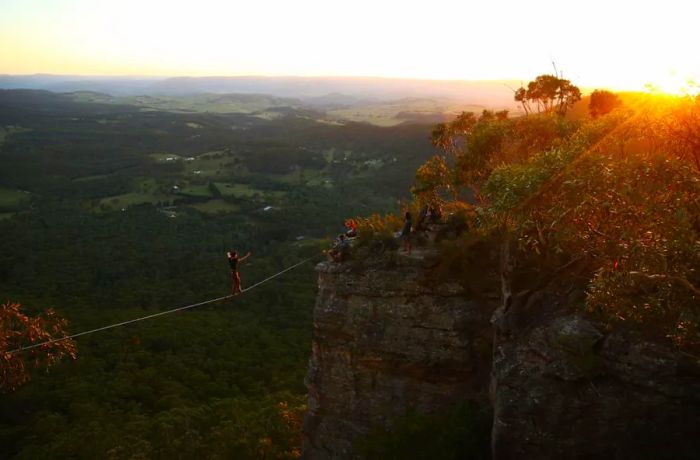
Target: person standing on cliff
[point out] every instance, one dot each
(406, 232)
(422, 215)
(233, 261)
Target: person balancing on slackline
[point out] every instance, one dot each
(233, 261)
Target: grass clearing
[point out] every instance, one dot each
(215, 207)
(195, 190)
(307, 176)
(89, 178)
(246, 191)
(227, 189)
(209, 164)
(11, 199)
(397, 112)
(132, 198)
(146, 185)
(237, 190)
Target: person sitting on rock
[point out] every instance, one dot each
(351, 227)
(434, 213)
(340, 250)
(420, 224)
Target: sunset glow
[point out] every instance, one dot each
(596, 44)
(675, 85)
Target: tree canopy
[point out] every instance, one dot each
(548, 94)
(603, 102)
(616, 195)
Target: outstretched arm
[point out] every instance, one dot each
(244, 257)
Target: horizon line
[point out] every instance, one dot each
(586, 88)
(381, 77)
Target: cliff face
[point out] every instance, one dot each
(388, 339)
(565, 387)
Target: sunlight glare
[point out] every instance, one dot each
(674, 84)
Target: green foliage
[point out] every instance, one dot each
(472, 260)
(226, 428)
(549, 94)
(434, 181)
(557, 143)
(482, 146)
(458, 217)
(509, 185)
(490, 142)
(460, 432)
(646, 271)
(448, 136)
(614, 198)
(632, 217)
(378, 233)
(208, 381)
(214, 190)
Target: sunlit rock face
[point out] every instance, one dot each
(387, 339)
(564, 386)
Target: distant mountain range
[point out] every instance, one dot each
(322, 91)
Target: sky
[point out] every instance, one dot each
(616, 44)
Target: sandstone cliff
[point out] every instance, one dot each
(389, 337)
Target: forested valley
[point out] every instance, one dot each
(110, 212)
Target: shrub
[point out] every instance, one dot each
(378, 233)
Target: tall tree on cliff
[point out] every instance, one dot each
(450, 137)
(549, 93)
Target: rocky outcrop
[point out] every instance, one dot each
(388, 339)
(564, 387)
